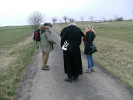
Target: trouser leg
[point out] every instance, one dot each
(89, 61)
(92, 61)
(45, 57)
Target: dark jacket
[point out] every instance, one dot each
(88, 42)
(72, 60)
(71, 32)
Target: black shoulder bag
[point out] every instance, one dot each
(93, 48)
(89, 49)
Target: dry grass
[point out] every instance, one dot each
(16, 50)
(6, 58)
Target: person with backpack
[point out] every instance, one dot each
(46, 44)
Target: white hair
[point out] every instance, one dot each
(72, 22)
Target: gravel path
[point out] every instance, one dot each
(50, 85)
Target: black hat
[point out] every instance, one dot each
(45, 24)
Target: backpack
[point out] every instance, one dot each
(36, 36)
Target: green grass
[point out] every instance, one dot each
(114, 42)
(16, 51)
(9, 36)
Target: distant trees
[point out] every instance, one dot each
(35, 19)
(82, 18)
(54, 20)
(91, 17)
(118, 18)
(65, 18)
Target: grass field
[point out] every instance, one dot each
(114, 42)
(16, 51)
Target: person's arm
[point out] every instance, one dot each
(49, 38)
(63, 36)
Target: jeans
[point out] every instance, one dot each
(90, 61)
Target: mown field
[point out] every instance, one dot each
(16, 51)
(114, 42)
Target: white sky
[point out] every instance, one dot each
(16, 12)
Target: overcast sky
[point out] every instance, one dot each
(16, 12)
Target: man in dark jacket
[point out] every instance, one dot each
(72, 60)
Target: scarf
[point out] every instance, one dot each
(42, 29)
(85, 35)
(46, 28)
(72, 24)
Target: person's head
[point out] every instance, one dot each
(89, 27)
(46, 25)
(71, 21)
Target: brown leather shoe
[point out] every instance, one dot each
(93, 70)
(87, 71)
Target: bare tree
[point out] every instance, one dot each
(82, 18)
(110, 20)
(60, 21)
(54, 20)
(91, 17)
(65, 18)
(118, 18)
(35, 19)
(115, 18)
(104, 19)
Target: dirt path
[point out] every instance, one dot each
(50, 85)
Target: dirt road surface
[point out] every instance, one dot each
(50, 85)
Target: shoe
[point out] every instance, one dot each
(68, 80)
(93, 70)
(45, 68)
(87, 71)
(75, 78)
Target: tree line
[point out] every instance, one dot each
(36, 18)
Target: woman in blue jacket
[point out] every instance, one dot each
(89, 37)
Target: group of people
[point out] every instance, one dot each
(72, 60)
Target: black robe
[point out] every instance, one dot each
(72, 60)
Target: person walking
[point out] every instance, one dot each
(89, 37)
(72, 59)
(46, 44)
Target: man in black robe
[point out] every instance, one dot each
(72, 59)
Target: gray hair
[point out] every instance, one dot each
(71, 21)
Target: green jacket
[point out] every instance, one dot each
(46, 41)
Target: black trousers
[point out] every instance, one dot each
(71, 65)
